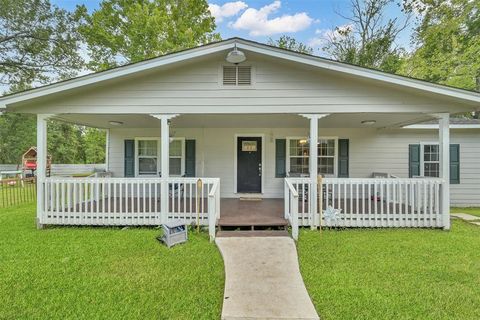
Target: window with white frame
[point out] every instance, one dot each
(148, 156)
(176, 157)
(298, 152)
(430, 160)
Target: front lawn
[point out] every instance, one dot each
(103, 273)
(474, 211)
(393, 274)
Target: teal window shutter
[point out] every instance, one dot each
(343, 154)
(189, 158)
(280, 158)
(413, 160)
(129, 159)
(454, 164)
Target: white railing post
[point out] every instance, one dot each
(212, 210)
(444, 137)
(291, 200)
(294, 215)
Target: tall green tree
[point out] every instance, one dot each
(17, 134)
(368, 39)
(65, 143)
(290, 43)
(447, 43)
(125, 31)
(38, 43)
(94, 141)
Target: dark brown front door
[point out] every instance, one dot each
(249, 164)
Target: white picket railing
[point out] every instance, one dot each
(291, 209)
(125, 201)
(373, 202)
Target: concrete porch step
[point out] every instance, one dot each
(256, 233)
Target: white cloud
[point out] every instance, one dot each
(257, 22)
(228, 9)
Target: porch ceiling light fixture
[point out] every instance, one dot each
(236, 56)
(369, 122)
(115, 123)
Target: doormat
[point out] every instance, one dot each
(250, 199)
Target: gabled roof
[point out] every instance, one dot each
(176, 57)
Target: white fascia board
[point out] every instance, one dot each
(116, 73)
(362, 72)
(435, 126)
(246, 45)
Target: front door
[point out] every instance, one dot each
(249, 164)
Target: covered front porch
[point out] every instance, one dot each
(273, 159)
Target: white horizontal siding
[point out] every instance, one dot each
(371, 150)
(277, 86)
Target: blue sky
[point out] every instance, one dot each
(309, 21)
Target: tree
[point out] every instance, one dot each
(290, 43)
(447, 43)
(17, 134)
(65, 143)
(94, 141)
(368, 39)
(38, 43)
(126, 31)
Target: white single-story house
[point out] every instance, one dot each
(193, 136)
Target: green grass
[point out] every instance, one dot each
(475, 211)
(104, 273)
(393, 274)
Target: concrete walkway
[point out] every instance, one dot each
(263, 280)
(467, 217)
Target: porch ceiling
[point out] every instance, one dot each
(343, 120)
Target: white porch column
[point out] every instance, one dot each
(165, 167)
(41, 165)
(444, 143)
(107, 150)
(164, 158)
(313, 168)
(165, 146)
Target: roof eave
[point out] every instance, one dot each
(117, 72)
(463, 95)
(362, 72)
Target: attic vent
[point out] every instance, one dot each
(237, 75)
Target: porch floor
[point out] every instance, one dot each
(233, 212)
(254, 213)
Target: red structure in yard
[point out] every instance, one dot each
(29, 162)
